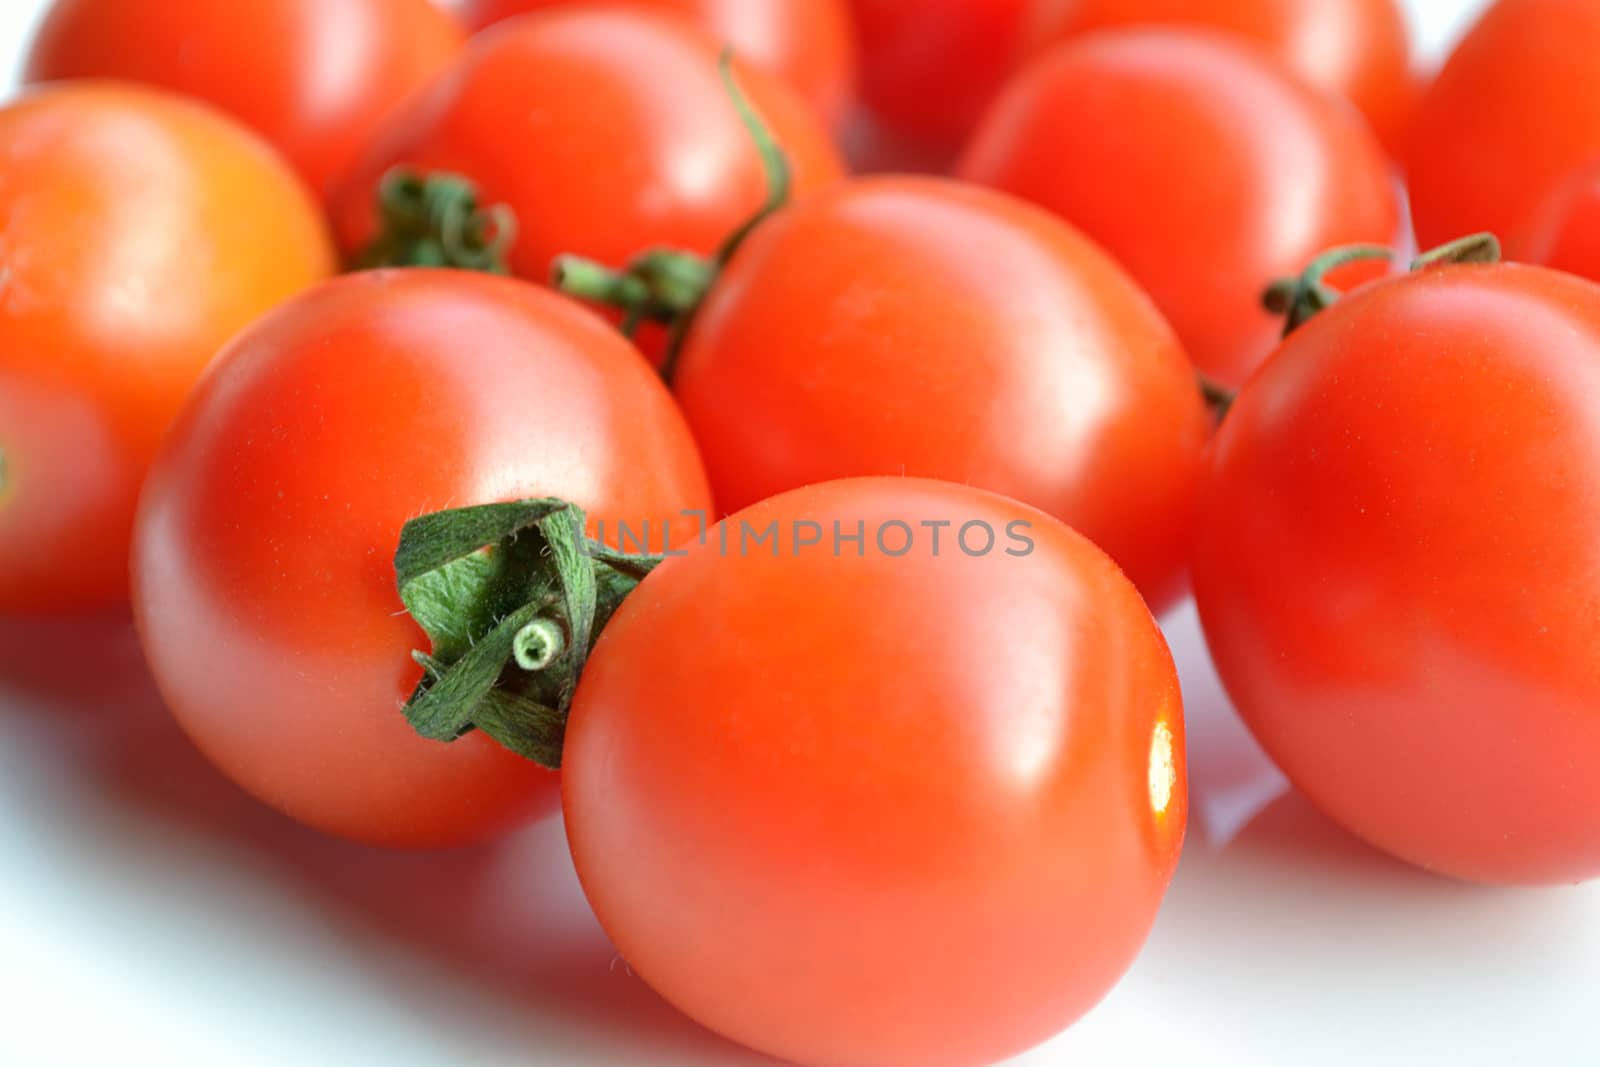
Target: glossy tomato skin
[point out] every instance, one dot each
(117, 286)
(1565, 228)
(1520, 99)
(313, 77)
(918, 326)
(263, 569)
(872, 809)
(608, 130)
(809, 43)
(1397, 571)
(1358, 49)
(1214, 174)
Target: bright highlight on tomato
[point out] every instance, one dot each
(892, 809)
(312, 76)
(140, 231)
(1398, 575)
(1200, 164)
(264, 582)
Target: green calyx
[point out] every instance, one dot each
(663, 286)
(435, 220)
(667, 286)
(512, 597)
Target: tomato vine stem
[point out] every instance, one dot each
(436, 220)
(667, 286)
(1304, 297)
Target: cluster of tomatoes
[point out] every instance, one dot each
(886, 766)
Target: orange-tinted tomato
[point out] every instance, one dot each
(1515, 110)
(141, 230)
(263, 569)
(1358, 49)
(1565, 230)
(918, 326)
(607, 130)
(810, 43)
(901, 807)
(1200, 164)
(1397, 568)
(312, 76)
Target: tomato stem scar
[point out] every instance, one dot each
(436, 220)
(538, 644)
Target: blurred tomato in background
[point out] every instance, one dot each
(931, 67)
(312, 76)
(810, 43)
(141, 229)
(1514, 112)
(606, 130)
(1197, 161)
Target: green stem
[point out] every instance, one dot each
(435, 220)
(663, 285)
(1219, 398)
(1303, 298)
(667, 286)
(1478, 248)
(600, 284)
(512, 597)
(774, 161)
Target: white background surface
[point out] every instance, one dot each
(149, 911)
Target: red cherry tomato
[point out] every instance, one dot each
(930, 67)
(314, 77)
(606, 130)
(1565, 230)
(810, 43)
(1397, 568)
(264, 582)
(917, 326)
(1199, 164)
(140, 232)
(1359, 49)
(1515, 110)
(875, 808)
